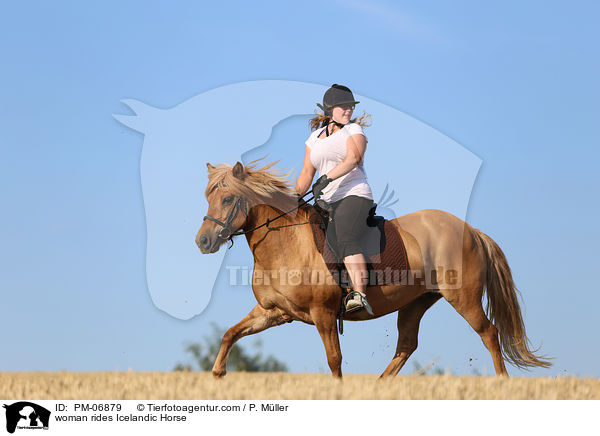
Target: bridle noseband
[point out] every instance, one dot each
(241, 204)
(226, 232)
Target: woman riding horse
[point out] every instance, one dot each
(246, 200)
(336, 149)
(465, 262)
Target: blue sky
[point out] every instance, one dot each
(516, 84)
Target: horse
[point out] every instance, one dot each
(249, 200)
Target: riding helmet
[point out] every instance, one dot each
(335, 96)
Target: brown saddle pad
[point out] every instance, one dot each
(387, 261)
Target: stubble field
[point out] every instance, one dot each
(284, 386)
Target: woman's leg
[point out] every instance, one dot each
(357, 270)
(350, 220)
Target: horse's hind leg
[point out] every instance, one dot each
(467, 302)
(409, 318)
(257, 320)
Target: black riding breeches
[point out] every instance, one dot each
(349, 220)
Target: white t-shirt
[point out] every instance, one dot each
(326, 152)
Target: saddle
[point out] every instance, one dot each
(382, 246)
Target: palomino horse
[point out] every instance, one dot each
(244, 198)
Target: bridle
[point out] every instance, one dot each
(241, 204)
(226, 232)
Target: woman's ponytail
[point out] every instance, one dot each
(321, 120)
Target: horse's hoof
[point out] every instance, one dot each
(219, 374)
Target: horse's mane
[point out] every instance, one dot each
(258, 183)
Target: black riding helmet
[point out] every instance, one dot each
(335, 96)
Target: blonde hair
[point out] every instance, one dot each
(321, 120)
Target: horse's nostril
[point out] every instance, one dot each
(204, 241)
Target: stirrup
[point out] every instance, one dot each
(361, 304)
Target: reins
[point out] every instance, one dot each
(226, 232)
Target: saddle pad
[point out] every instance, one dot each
(385, 268)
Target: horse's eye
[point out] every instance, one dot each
(227, 200)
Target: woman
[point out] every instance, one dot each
(336, 149)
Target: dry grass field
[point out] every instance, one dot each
(283, 386)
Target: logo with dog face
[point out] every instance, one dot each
(26, 415)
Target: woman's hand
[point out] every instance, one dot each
(306, 174)
(319, 185)
(356, 145)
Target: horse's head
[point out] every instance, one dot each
(227, 207)
(232, 192)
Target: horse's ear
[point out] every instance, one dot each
(209, 166)
(238, 171)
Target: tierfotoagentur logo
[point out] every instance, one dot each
(244, 275)
(25, 415)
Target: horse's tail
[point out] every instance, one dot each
(503, 308)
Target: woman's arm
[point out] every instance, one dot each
(306, 175)
(356, 146)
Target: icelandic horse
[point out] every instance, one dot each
(243, 199)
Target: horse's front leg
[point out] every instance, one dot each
(325, 321)
(257, 320)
